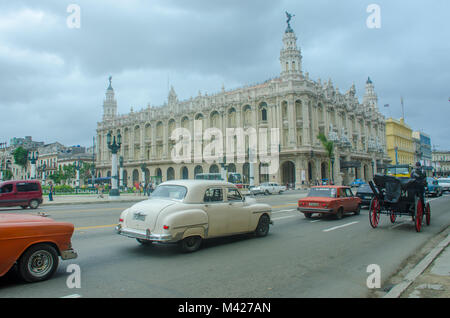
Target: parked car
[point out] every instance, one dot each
(433, 188)
(190, 211)
(34, 244)
(267, 188)
(336, 200)
(444, 183)
(24, 193)
(357, 183)
(364, 192)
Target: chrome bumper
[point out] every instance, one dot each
(143, 235)
(312, 210)
(69, 254)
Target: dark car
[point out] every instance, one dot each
(24, 193)
(433, 188)
(365, 194)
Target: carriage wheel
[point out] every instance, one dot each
(393, 217)
(428, 214)
(374, 212)
(419, 215)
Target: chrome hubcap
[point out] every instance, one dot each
(40, 263)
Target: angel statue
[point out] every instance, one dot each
(289, 18)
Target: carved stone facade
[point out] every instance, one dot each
(298, 106)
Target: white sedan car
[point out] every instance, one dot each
(267, 188)
(189, 211)
(444, 183)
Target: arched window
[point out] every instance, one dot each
(264, 114)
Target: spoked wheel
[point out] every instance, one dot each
(428, 213)
(419, 215)
(374, 212)
(393, 217)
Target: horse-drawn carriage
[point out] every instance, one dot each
(398, 197)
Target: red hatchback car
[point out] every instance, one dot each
(24, 193)
(336, 200)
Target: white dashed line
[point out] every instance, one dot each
(339, 227)
(285, 217)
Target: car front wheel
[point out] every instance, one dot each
(38, 263)
(340, 213)
(34, 204)
(263, 226)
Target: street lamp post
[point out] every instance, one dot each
(121, 172)
(114, 147)
(33, 158)
(78, 165)
(223, 164)
(251, 159)
(332, 169)
(44, 167)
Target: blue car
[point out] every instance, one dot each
(433, 188)
(357, 183)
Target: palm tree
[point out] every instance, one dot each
(329, 147)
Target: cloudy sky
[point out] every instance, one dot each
(53, 78)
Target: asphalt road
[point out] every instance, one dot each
(318, 257)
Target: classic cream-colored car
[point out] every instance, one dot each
(189, 211)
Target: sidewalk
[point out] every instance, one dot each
(428, 277)
(91, 199)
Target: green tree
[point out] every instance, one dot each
(329, 147)
(56, 177)
(69, 173)
(7, 175)
(21, 156)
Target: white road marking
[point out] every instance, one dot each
(283, 211)
(399, 224)
(315, 221)
(339, 227)
(72, 296)
(285, 217)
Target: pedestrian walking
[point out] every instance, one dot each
(100, 191)
(50, 193)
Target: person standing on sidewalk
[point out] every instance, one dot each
(50, 193)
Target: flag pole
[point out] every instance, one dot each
(403, 108)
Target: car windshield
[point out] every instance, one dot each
(364, 188)
(173, 192)
(322, 192)
(398, 170)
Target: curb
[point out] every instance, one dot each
(47, 204)
(418, 269)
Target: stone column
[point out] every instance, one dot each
(142, 142)
(306, 138)
(292, 122)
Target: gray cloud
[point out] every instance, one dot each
(53, 79)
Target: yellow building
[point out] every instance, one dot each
(399, 142)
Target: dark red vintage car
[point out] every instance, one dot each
(336, 200)
(34, 244)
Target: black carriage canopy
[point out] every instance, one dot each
(393, 186)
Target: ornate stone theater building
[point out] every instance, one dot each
(300, 107)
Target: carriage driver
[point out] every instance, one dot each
(421, 179)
